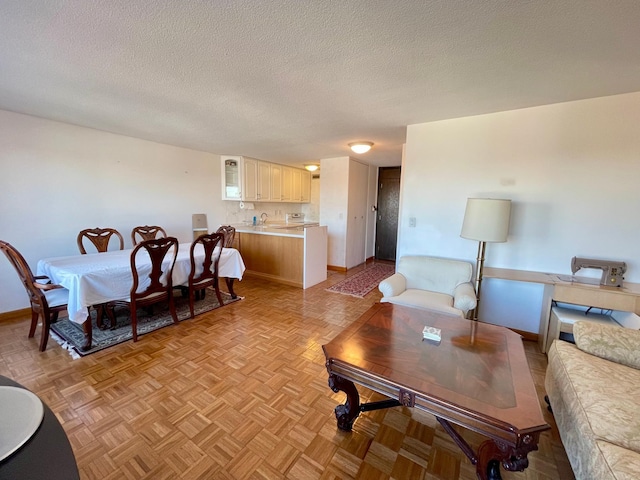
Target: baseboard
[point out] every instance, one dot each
(336, 268)
(533, 337)
(16, 315)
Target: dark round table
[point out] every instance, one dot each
(46, 455)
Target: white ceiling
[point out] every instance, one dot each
(295, 81)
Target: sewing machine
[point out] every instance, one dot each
(612, 272)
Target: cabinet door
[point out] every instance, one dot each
(231, 178)
(305, 189)
(287, 174)
(249, 179)
(296, 185)
(264, 182)
(276, 183)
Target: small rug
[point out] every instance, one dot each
(361, 283)
(70, 336)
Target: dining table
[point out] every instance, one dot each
(99, 278)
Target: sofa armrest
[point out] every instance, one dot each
(617, 344)
(393, 285)
(464, 297)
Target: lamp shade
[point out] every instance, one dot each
(486, 220)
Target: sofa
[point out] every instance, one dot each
(593, 388)
(431, 283)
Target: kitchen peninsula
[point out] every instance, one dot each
(292, 255)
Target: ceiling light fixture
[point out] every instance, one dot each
(361, 147)
(312, 167)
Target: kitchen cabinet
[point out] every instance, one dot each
(287, 173)
(276, 182)
(296, 185)
(231, 175)
(249, 179)
(263, 182)
(291, 257)
(305, 188)
(253, 180)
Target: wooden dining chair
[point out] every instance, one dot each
(209, 274)
(99, 237)
(47, 300)
(229, 233)
(146, 232)
(149, 287)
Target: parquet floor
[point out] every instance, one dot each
(241, 393)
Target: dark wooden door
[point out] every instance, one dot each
(388, 207)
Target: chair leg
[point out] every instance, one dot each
(44, 337)
(111, 315)
(217, 288)
(34, 323)
(134, 323)
(172, 308)
(192, 294)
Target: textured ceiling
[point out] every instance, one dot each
(295, 81)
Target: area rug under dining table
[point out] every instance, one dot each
(71, 337)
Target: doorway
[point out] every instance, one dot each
(387, 214)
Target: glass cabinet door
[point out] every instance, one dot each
(231, 179)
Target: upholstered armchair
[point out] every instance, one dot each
(431, 283)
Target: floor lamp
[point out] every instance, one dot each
(485, 220)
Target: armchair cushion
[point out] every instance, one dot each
(431, 283)
(617, 344)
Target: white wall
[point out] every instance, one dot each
(58, 179)
(572, 171)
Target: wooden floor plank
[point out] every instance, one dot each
(241, 393)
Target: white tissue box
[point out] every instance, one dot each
(432, 333)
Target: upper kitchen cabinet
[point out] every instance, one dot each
(305, 188)
(253, 180)
(231, 178)
(263, 182)
(276, 182)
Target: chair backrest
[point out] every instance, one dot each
(211, 258)
(36, 296)
(99, 237)
(435, 274)
(157, 250)
(229, 233)
(146, 232)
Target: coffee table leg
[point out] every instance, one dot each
(347, 413)
(492, 454)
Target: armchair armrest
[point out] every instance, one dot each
(393, 285)
(617, 344)
(464, 297)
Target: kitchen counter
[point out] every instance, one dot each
(282, 231)
(295, 256)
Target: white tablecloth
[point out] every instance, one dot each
(98, 278)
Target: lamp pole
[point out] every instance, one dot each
(479, 267)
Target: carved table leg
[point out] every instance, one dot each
(229, 282)
(347, 413)
(492, 453)
(88, 334)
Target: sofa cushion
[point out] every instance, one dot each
(624, 463)
(618, 344)
(594, 404)
(437, 302)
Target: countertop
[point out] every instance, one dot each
(280, 230)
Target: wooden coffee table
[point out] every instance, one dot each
(477, 377)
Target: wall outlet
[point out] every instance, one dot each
(412, 221)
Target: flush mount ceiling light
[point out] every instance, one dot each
(312, 167)
(361, 147)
